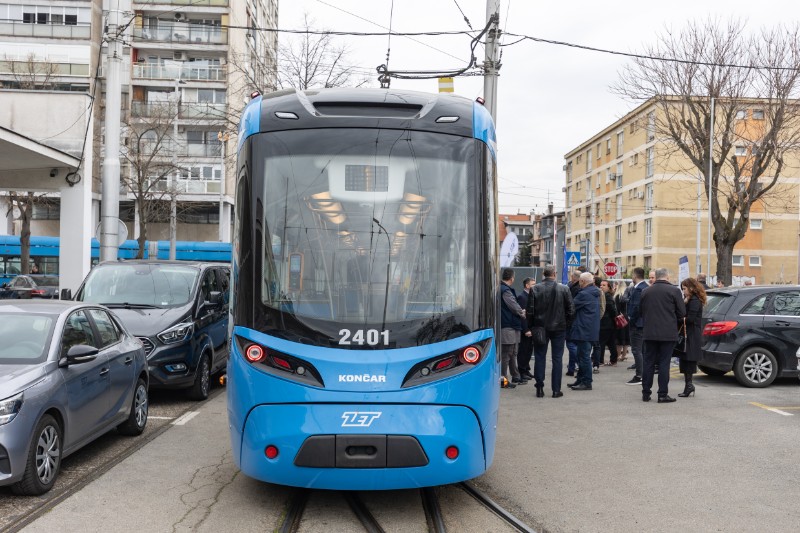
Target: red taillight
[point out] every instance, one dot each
(37, 292)
(254, 353)
(451, 452)
(271, 451)
(444, 363)
(282, 363)
(470, 355)
(719, 328)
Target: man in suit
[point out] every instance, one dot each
(636, 323)
(661, 310)
(574, 286)
(525, 350)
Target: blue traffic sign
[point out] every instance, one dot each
(573, 259)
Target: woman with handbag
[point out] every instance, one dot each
(695, 298)
(608, 332)
(621, 296)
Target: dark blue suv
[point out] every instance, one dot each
(177, 310)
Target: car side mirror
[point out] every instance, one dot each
(80, 353)
(214, 301)
(66, 294)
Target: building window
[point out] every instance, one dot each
(588, 160)
(606, 234)
(740, 151)
(755, 260)
(608, 205)
(651, 126)
(741, 114)
(648, 198)
(758, 114)
(619, 175)
(737, 260)
(608, 146)
(648, 262)
(651, 158)
(597, 181)
(578, 212)
(756, 223)
(618, 240)
(598, 150)
(620, 143)
(648, 233)
(619, 207)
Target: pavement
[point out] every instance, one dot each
(600, 460)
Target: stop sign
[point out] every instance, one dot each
(610, 269)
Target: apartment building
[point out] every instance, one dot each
(185, 71)
(632, 198)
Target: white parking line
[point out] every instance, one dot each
(185, 418)
(774, 410)
(161, 417)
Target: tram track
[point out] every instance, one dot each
(435, 520)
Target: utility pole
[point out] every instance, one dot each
(491, 64)
(173, 207)
(590, 247)
(109, 205)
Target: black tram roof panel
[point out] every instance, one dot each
(366, 108)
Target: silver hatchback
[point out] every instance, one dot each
(69, 372)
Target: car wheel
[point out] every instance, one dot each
(137, 419)
(44, 459)
(202, 381)
(711, 371)
(756, 367)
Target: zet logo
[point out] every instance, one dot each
(360, 419)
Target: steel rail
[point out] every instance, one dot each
(294, 514)
(496, 508)
(433, 513)
(362, 513)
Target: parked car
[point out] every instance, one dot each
(25, 287)
(70, 373)
(754, 331)
(178, 310)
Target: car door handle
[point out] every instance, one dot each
(783, 323)
(103, 372)
(128, 360)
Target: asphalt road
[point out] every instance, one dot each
(601, 460)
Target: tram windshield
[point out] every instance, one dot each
(368, 226)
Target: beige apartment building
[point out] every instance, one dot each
(632, 198)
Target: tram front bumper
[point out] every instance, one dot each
(361, 447)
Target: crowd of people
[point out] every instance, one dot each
(651, 319)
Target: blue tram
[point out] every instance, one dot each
(364, 290)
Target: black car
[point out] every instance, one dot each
(754, 331)
(179, 312)
(25, 287)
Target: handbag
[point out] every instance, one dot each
(621, 322)
(539, 335)
(680, 346)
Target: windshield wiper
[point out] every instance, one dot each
(126, 305)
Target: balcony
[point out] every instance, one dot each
(183, 34)
(184, 186)
(196, 111)
(38, 71)
(193, 3)
(17, 28)
(178, 71)
(166, 149)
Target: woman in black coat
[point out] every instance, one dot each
(695, 297)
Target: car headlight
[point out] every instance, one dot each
(9, 408)
(176, 333)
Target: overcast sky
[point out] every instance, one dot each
(551, 98)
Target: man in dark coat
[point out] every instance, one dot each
(574, 286)
(585, 330)
(701, 279)
(662, 310)
(511, 316)
(551, 308)
(525, 350)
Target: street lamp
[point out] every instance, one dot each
(173, 202)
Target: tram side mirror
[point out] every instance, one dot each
(66, 294)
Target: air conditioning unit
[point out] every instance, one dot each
(180, 56)
(180, 17)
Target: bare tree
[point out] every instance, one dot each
(149, 150)
(740, 72)
(31, 74)
(23, 202)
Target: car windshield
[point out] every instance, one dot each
(148, 285)
(45, 281)
(24, 337)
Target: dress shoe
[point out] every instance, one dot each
(519, 381)
(632, 367)
(666, 399)
(571, 385)
(645, 397)
(540, 391)
(527, 375)
(570, 373)
(582, 386)
(558, 394)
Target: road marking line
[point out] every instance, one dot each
(185, 418)
(773, 409)
(161, 417)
